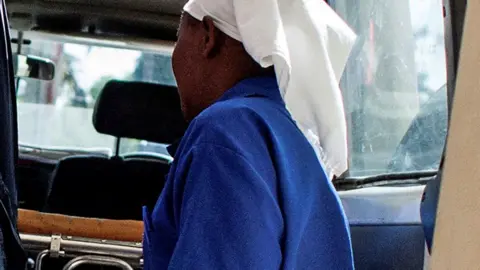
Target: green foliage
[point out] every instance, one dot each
(98, 86)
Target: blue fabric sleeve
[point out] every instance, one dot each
(228, 216)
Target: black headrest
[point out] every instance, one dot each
(139, 110)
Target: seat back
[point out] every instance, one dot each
(150, 172)
(117, 187)
(79, 184)
(105, 188)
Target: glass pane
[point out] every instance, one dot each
(58, 114)
(394, 89)
(394, 85)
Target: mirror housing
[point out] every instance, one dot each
(29, 66)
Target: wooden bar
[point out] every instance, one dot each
(32, 222)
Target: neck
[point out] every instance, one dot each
(216, 88)
(233, 68)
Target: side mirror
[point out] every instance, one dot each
(29, 66)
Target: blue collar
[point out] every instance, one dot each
(259, 86)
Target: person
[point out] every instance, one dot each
(248, 189)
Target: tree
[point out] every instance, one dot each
(155, 68)
(99, 85)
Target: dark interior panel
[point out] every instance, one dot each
(140, 18)
(388, 247)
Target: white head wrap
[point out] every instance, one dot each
(308, 44)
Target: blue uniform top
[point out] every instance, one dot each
(246, 191)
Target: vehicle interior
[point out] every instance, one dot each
(96, 118)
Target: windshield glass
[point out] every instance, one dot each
(58, 114)
(393, 86)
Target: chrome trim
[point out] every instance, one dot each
(97, 260)
(81, 246)
(40, 257)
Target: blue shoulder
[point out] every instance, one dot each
(235, 124)
(227, 117)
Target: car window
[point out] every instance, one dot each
(394, 85)
(58, 114)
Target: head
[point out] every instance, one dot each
(206, 63)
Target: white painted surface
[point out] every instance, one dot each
(382, 205)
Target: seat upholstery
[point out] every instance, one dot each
(80, 183)
(118, 187)
(152, 172)
(34, 176)
(105, 188)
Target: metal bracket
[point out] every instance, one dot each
(55, 245)
(54, 251)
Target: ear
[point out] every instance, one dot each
(210, 37)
